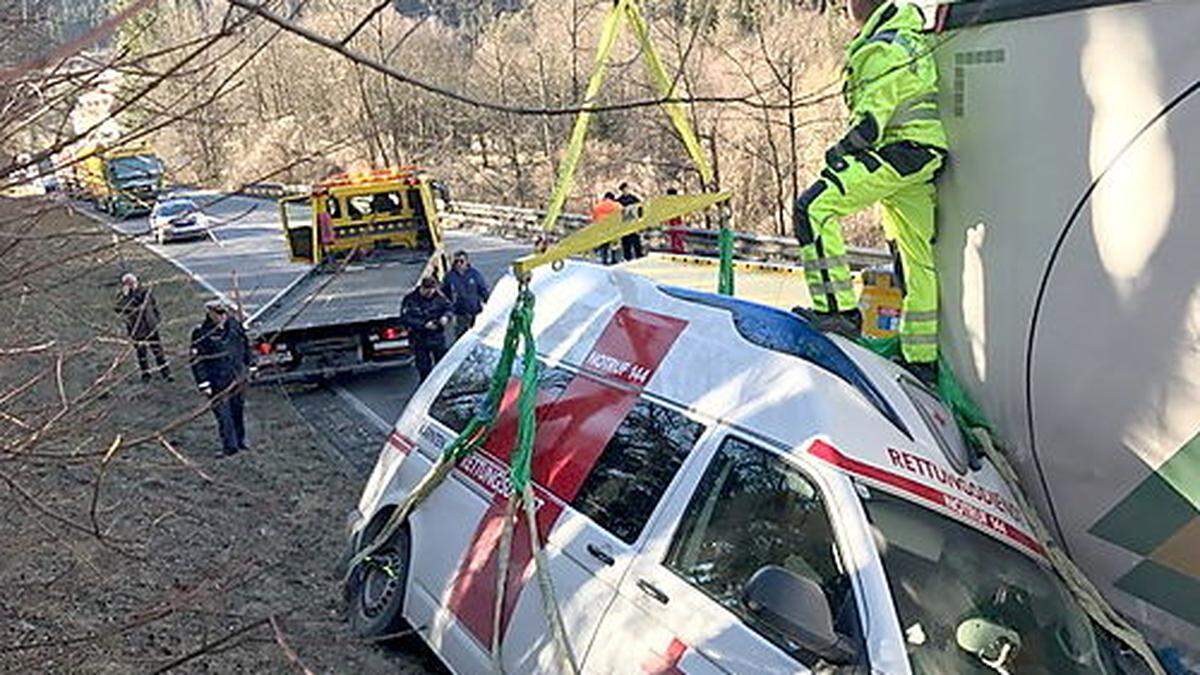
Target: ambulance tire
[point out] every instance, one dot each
(374, 591)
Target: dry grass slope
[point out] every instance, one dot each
(160, 552)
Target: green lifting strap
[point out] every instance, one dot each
(521, 458)
(470, 438)
(520, 472)
(725, 269)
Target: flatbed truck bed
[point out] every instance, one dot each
(333, 293)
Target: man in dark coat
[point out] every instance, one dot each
(136, 305)
(221, 364)
(425, 312)
(467, 290)
(631, 244)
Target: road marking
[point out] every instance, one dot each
(103, 220)
(361, 406)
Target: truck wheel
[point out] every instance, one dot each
(375, 589)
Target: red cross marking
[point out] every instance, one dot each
(588, 412)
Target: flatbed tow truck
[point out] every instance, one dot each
(370, 237)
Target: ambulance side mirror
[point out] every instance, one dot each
(797, 607)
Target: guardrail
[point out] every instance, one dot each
(515, 222)
(274, 190)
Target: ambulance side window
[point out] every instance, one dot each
(751, 509)
(467, 388)
(637, 465)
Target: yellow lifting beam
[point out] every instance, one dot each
(628, 220)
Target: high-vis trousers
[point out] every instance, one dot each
(900, 177)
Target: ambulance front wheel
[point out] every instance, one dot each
(375, 589)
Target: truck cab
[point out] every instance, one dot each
(122, 181)
(360, 212)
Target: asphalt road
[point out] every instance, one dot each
(246, 251)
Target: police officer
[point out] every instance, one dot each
(220, 364)
(135, 303)
(425, 312)
(894, 149)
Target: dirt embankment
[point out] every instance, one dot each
(126, 544)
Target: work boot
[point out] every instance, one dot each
(926, 372)
(847, 324)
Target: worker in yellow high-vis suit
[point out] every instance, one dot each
(895, 147)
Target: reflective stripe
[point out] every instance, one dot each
(827, 263)
(921, 316)
(918, 339)
(831, 287)
(907, 116)
(907, 110)
(915, 101)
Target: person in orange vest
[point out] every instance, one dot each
(608, 204)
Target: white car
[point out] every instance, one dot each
(721, 489)
(177, 218)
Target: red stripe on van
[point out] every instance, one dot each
(587, 414)
(667, 664)
(989, 521)
(400, 442)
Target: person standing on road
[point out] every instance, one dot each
(221, 364)
(607, 204)
(631, 244)
(674, 229)
(425, 312)
(467, 290)
(136, 304)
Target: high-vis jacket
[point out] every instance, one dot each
(891, 83)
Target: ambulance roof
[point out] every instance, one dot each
(764, 371)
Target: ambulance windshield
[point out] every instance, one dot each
(967, 603)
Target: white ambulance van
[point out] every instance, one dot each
(721, 489)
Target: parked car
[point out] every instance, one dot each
(177, 218)
(722, 489)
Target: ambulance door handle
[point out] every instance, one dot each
(652, 591)
(601, 554)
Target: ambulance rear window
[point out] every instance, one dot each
(784, 332)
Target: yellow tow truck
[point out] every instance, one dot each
(369, 237)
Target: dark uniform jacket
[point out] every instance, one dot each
(417, 310)
(220, 356)
(467, 291)
(139, 311)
